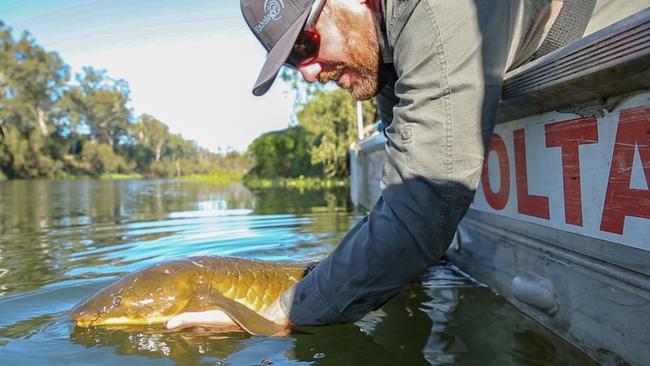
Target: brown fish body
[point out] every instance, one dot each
(242, 288)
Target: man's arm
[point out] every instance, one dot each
(449, 57)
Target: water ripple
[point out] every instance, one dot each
(62, 241)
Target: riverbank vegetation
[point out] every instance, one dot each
(54, 125)
(299, 182)
(312, 152)
(218, 176)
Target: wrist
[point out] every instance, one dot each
(278, 312)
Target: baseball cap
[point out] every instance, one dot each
(277, 25)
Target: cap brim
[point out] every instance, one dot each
(278, 55)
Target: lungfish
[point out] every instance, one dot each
(241, 288)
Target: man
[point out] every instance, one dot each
(436, 68)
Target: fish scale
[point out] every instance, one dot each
(155, 294)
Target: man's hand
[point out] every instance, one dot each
(208, 318)
(219, 319)
(276, 313)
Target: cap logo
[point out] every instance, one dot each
(273, 8)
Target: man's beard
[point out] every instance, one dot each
(363, 56)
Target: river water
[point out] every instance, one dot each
(61, 241)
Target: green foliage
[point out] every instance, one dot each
(21, 155)
(295, 183)
(166, 169)
(331, 118)
(100, 159)
(283, 153)
(142, 156)
(31, 81)
(151, 134)
(318, 146)
(52, 128)
(99, 104)
(120, 176)
(220, 176)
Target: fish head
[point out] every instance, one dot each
(150, 296)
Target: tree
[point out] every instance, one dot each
(100, 159)
(50, 127)
(31, 82)
(152, 134)
(98, 104)
(4, 86)
(283, 153)
(331, 117)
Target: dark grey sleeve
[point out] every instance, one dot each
(448, 90)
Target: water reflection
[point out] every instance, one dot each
(61, 241)
(332, 345)
(186, 347)
(474, 326)
(449, 320)
(270, 201)
(54, 230)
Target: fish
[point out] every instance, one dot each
(242, 288)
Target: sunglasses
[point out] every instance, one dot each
(305, 49)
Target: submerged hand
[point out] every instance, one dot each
(209, 318)
(272, 315)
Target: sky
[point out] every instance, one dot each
(190, 64)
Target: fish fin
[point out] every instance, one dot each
(248, 319)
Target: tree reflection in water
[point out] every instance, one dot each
(63, 240)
